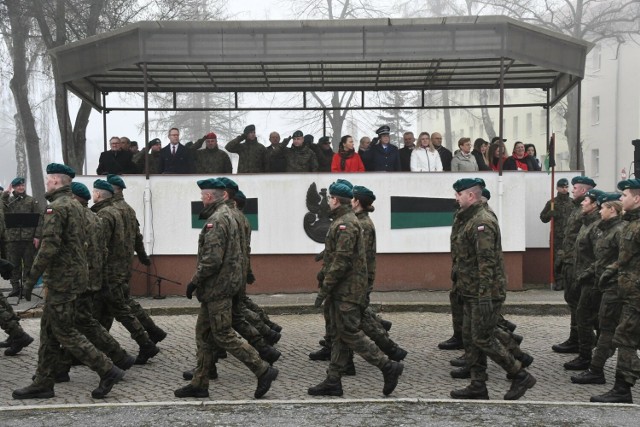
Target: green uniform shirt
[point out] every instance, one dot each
(252, 155)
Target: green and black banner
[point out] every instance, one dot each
(421, 212)
(250, 211)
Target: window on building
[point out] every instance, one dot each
(515, 127)
(529, 125)
(595, 110)
(595, 163)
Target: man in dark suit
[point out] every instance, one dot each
(116, 161)
(175, 158)
(382, 156)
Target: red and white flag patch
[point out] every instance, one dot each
(209, 226)
(49, 211)
(481, 228)
(342, 227)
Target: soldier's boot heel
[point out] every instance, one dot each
(590, 376)
(146, 353)
(397, 354)
(269, 354)
(323, 354)
(475, 390)
(620, 393)
(126, 362)
(327, 387)
(156, 334)
(453, 343)
(191, 391)
(107, 382)
(386, 324)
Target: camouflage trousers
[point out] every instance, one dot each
(110, 303)
(587, 319)
(479, 338)
(608, 317)
(457, 312)
(571, 297)
(214, 326)
(143, 317)
(57, 331)
(21, 255)
(9, 322)
(627, 340)
(346, 335)
(248, 302)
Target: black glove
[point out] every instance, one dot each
(606, 277)
(454, 275)
(485, 306)
(5, 269)
(320, 256)
(144, 259)
(319, 301)
(27, 289)
(251, 279)
(190, 288)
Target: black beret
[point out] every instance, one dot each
(383, 130)
(101, 184)
(324, 140)
(593, 194)
(249, 129)
(486, 193)
(466, 183)
(563, 182)
(133, 143)
(80, 190)
(341, 188)
(229, 183)
(211, 184)
(629, 184)
(497, 138)
(297, 134)
(608, 197)
(58, 168)
(116, 180)
(154, 141)
(583, 180)
(17, 181)
(308, 139)
(359, 190)
(240, 195)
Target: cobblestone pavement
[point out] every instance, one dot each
(426, 374)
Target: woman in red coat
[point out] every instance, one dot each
(346, 159)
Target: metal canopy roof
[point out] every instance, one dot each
(344, 55)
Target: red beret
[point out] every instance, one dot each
(211, 135)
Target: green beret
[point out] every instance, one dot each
(58, 168)
(486, 193)
(345, 182)
(211, 184)
(249, 129)
(466, 183)
(229, 183)
(583, 180)
(17, 181)
(607, 197)
(629, 184)
(240, 195)
(593, 194)
(133, 143)
(155, 141)
(101, 184)
(360, 191)
(80, 190)
(116, 180)
(324, 140)
(341, 189)
(297, 134)
(563, 182)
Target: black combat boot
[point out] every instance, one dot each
(391, 371)
(221, 354)
(146, 353)
(475, 390)
(453, 343)
(264, 382)
(578, 364)
(213, 373)
(350, 368)
(517, 338)
(274, 326)
(590, 376)
(18, 343)
(328, 387)
(620, 393)
(191, 391)
(269, 354)
(34, 391)
(15, 291)
(397, 354)
(323, 354)
(386, 324)
(458, 362)
(107, 382)
(460, 373)
(156, 334)
(525, 361)
(126, 362)
(569, 346)
(272, 337)
(5, 344)
(520, 384)
(509, 325)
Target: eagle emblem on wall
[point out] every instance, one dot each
(316, 222)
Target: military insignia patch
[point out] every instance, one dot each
(49, 211)
(481, 228)
(209, 226)
(343, 227)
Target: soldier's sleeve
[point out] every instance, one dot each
(314, 162)
(139, 244)
(234, 146)
(212, 252)
(485, 240)
(341, 262)
(36, 207)
(52, 228)
(544, 215)
(226, 164)
(196, 145)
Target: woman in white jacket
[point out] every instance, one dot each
(425, 158)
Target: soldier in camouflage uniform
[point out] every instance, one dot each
(252, 154)
(113, 296)
(154, 146)
(211, 159)
(627, 266)
(3, 251)
(63, 260)
(218, 278)
(482, 281)
(606, 250)
(566, 268)
(9, 322)
(21, 243)
(299, 157)
(562, 208)
(344, 287)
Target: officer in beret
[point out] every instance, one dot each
(153, 148)
(382, 155)
(299, 157)
(608, 233)
(627, 334)
(477, 250)
(212, 159)
(218, 277)
(21, 242)
(344, 289)
(566, 268)
(9, 322)
(252, 154)
(558, 209)
(62, 259)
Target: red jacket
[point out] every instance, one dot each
(351, 164)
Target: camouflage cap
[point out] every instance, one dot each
(360, 191)
(80, 190)
(17, 181)
(593, 194)
(486, 193)
(608, 197)
(297, 134)
(116, 180)
(211, 184)
(629, 184)
(101, 184)
(229, 183)
(341, 189)
(583, 180)
(466, 183)
(383, 130)
(249, 129)
(562, 182)
(59, 168)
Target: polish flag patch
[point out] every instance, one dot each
(343, 227)
(209, 226)
(481, 228)
(49, 211)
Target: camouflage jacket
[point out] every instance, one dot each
(96, 250)
(252, 155)
(219, 271)
(135, 241)
(572, 227)
(584, 256)
(299, 159)
(62, 256)
(210, 160)
(244, 231)
(345, 260)
(477, 252)
(20, 204)
(606, 250)
(628, 263)
(562, 207)
(118, 261)
(369, 235)
(154, 162)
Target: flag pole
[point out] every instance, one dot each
(552, 163)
